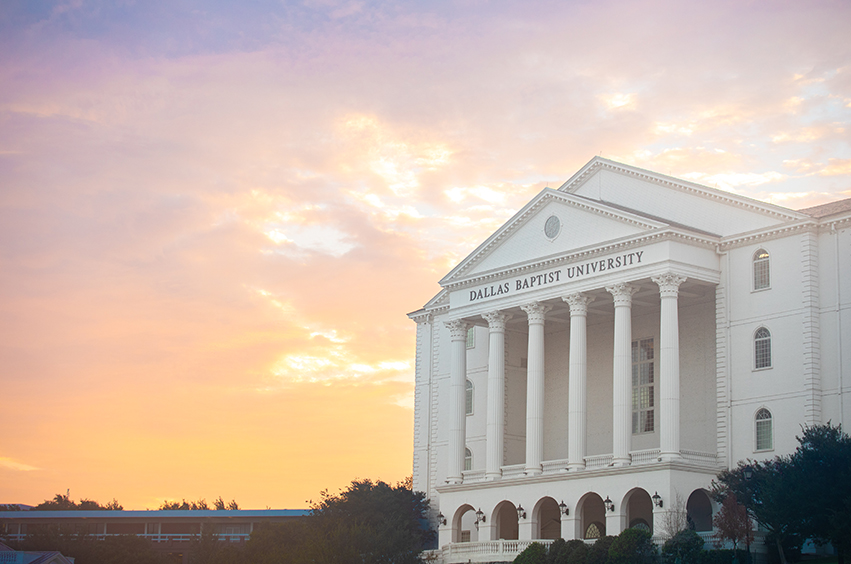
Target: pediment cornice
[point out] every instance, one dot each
(546, 196)
(615, 246)
(599, 163)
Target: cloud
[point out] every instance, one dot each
(10, 464)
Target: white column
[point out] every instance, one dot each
(536, 313)
(457, 405)
(622, 373)
(577, 376)
(496, 393)
(669, 366)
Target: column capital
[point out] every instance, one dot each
(458, 329)
(496, 320)
(622, 293)
(578, 303)
(536, 312)
(669, 284)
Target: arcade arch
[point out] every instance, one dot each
(505, 521)
(464, 525)
(639, 510)
(593, 516)
(699, 510)
(547, 518)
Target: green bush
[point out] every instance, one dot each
(535, 553)
(556, 548)
(683, 548)
(598, 553)
(576, 554)
(632, 546)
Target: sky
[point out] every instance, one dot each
(214, 216)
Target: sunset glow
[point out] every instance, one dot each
(214, 216)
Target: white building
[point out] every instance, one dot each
(624, 337)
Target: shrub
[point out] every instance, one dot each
(632, 546)
(535, 553)
(599, 551)
(556, 548)
(683, 548)
(575, 554)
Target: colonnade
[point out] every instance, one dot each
(669, 381)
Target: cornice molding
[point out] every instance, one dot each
(598, 163)
(669, 234)
(737, 241)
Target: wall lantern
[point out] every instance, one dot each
(748, 472)
(657, 499)
(609, 504)
(441, 519)
(565, 510)
(521, 513)
(480, 518)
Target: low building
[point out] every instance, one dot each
(170, 531)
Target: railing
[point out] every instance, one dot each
(555, 466)
(645, 456)
(473, 476)
(704, 458)
(487, 551)
(165, 537)
(597, 461)
(513, 471)
(11, 557)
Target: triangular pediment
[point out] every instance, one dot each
(674, 200)
(526, 237)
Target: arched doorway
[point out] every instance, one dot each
(464, 525)
(505, 519)
(593, 514)
(548, 518)
(699, 510)
(639, 510)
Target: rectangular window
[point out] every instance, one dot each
(643, 378)
(465, 536)
(471, 337)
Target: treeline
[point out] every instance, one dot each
(65, 503)
(201, 504)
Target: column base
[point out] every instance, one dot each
(670, 456)
(621, 462)
(492, 476)
(534, 471)
(575, 466)
(454, 480)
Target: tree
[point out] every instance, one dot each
(220, 504)
(823, 497)
(732, 523)
(675, 519)
(769, 490)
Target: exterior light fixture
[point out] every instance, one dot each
(480, 518)
(748, 472)
(521, 513)
(657, 499)
(609, 504)
(441, 519)
(565, 510)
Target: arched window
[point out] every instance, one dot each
(761, 275)
(762, 348)
(764, 432)
(594, 531)
(469, 398)
(468, 459)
